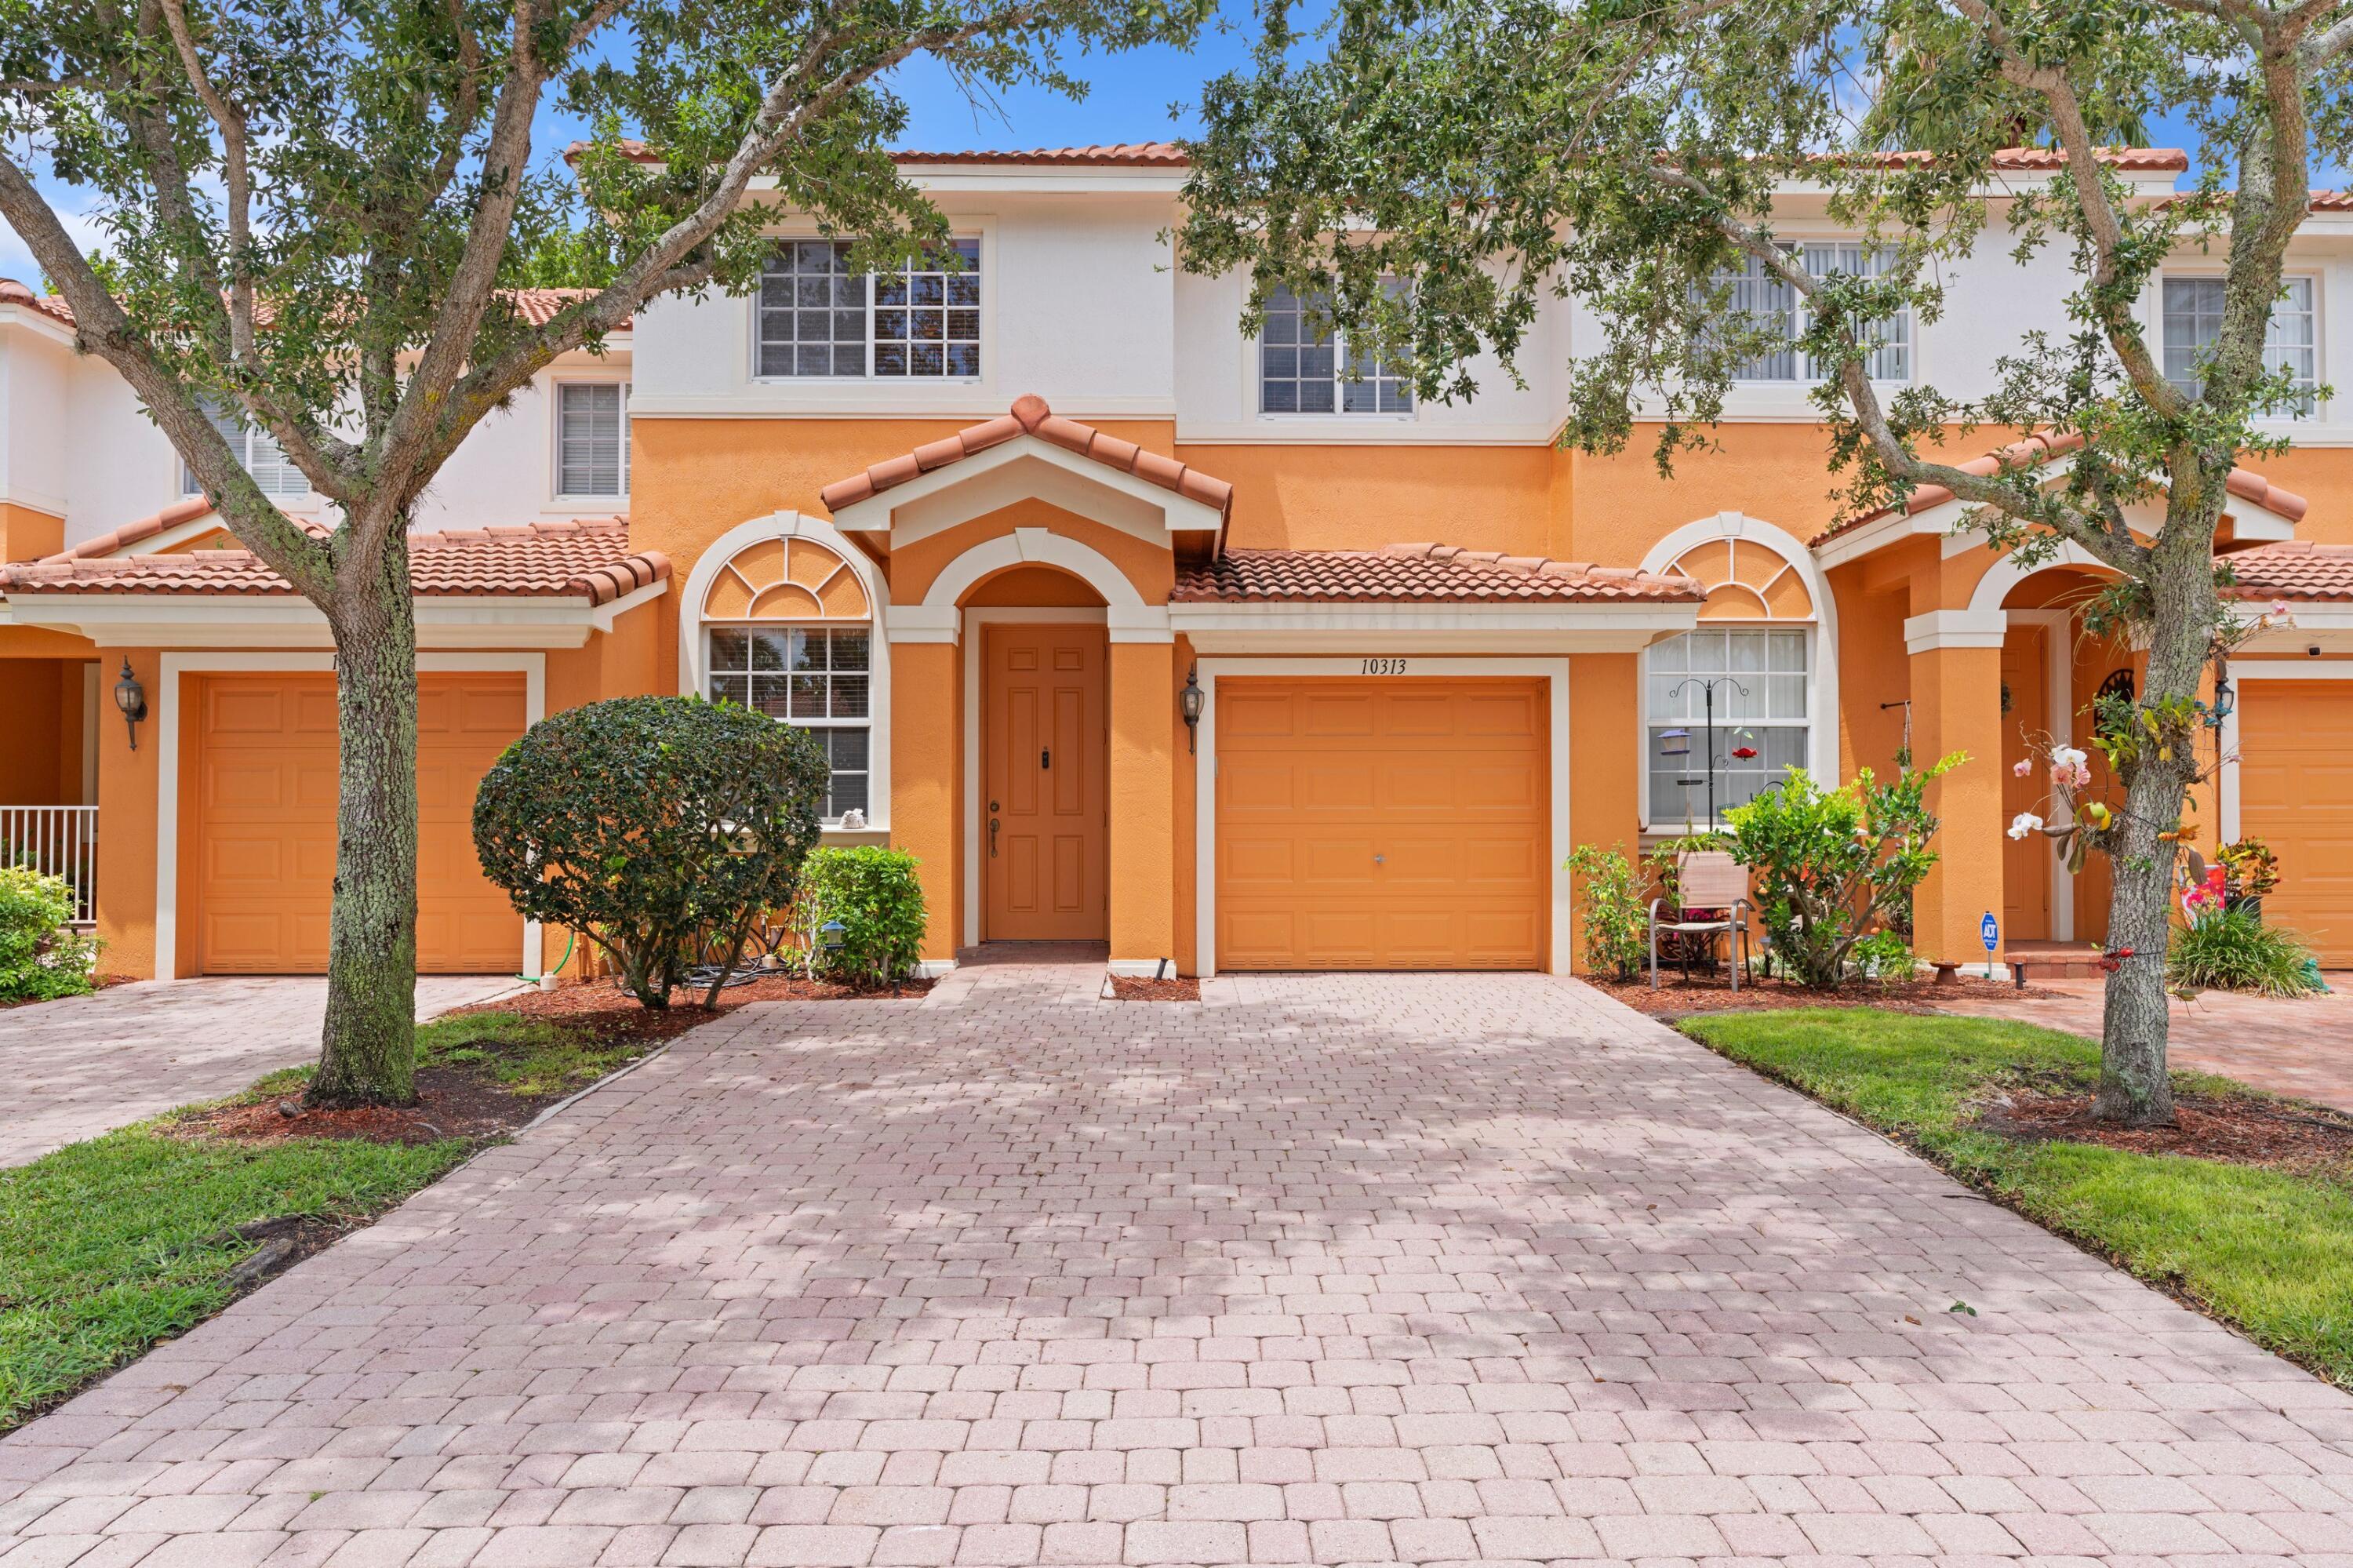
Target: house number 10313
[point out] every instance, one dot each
(1384, 667)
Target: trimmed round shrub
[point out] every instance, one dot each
(41, 955)
(875, 894)
(656, 827)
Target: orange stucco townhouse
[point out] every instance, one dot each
(1220, 652)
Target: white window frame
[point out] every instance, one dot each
(557, 491)
(1803, 372)
(243, 444)
(2311, 279)
(869, 723)
(1254, 362)
(1649, 720)
(984, 268)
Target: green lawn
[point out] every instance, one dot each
(2266, 1250)
(108, 1246)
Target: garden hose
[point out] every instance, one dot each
(569, 936)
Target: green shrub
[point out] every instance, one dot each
(1882, 956)
(656, 827)
(875, 894)
(41, 956)
(2233, 950)
(1611, 909)
(1829, 865)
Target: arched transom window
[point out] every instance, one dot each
(1755, 648)
(789, 632)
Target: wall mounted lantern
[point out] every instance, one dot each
(131, 698)
(2225, 701)
(1189, 703)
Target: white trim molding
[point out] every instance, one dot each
(782, 527)
(533, 667)
(2058, 625)
(1030, 467)
(2259, 670)
(285, 620)
(1554, 672)
(940, 618)
(1955, 628)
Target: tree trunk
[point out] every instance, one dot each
(368, 1052)
(2135, 1087)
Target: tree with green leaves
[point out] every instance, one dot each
(1484, 153)
(315, 212)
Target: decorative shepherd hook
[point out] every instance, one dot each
(1707, 696)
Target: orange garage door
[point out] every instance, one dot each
(2296, 782)
(1381, 824)
(261, 818)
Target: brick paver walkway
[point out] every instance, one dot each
(2303, 1047)
(85, 1065)
(1370, 1269)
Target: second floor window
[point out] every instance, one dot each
(1304, 371)
(592, 439)
(1769, 303)
(819, 318)
(2193, 319)
(257, 451)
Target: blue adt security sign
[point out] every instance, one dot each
(1990, 932)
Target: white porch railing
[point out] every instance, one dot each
(60, 839)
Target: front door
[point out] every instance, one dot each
(2027, 862)
(1045, 831)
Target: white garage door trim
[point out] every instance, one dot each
(533, 667)
(2265, 670)
(1552, 671)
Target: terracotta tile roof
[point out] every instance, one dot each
(537, 306)
(590, 560)
(147, 527)
(1418, 573)
(1032, 417)
(2155, 160)
(2294, 569)
(1101, 155)
(2036, 450)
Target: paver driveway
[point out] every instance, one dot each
(81, 1065)
(1336, 1270)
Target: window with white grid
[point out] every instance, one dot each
(257, 452)
(816, 678)
(1771, 305)
(592, 438)
(1302, 370)
(818, 318)
(2193, 319)
(1760, 701)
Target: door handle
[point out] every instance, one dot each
(1380, 860)
(1045, 759)
(992, 838)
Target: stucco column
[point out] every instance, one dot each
(1956, 659)
(1143, 803)
(926, 743)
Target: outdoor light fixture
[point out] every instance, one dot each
(830, 934)
(1189, 701)
(131, 698)
(2225, 700)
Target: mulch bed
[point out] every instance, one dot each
(451, 1103)
(97, 983)
(1677, 998)
(1143, 988)
(2237, 1129)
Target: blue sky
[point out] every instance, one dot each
(1129, 99)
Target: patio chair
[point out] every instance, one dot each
(1712, 889)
